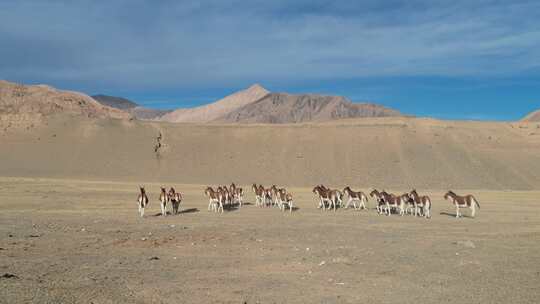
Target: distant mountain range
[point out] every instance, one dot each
(32, 102)
(532, 117)
(25, 103)
(257, 105)
(115, 102)
(130, 107)
(287, 108)
(214, 111)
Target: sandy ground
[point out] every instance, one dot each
(74, 241)
(382, 152)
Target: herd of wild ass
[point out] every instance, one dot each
(224, 197)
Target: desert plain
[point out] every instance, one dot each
(70, 232)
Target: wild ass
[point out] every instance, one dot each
(467, 201)
(276, 197)
(285, 198)
(393, 201)
(258, 191)
(423, 202)
(379, 199)
(355, 197)
(332, 196)
(323, 194)
(237, 195)
(267, 197)
(175, 198)
(227, 196)
(336, 198)
(215, 199)
(163, 201)
(142, 201)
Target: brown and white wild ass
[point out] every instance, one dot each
(354, 197)
(336, 198)
(467, 201)
(393, 201)
(175, 198)
(276, 197)
(215, 199)
(332, 196)
(285, 198)
(163, 201)
(267, 197)
(227, 196)
(323, 194)
(237, 195)
(258, 191)
(423, 202)
(142, 201)
(379, 200)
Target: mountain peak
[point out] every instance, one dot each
(532, 117)
(115, 102)
(291, 108)
(219, 108)
(254, 90)
(257, 87)
(34, 102)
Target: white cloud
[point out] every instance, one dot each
(149, 44)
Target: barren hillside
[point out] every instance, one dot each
(370, 152)
(115, 102)
(287, 108)
(533, 117)
(130, 107)
(28, 105)
(219, 108)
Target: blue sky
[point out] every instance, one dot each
(448, 59)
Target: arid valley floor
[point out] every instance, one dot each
(70, 232)
(69, 241)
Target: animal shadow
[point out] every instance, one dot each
(159, 213)
(190, 210)
(454, 215)
(231, 207)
